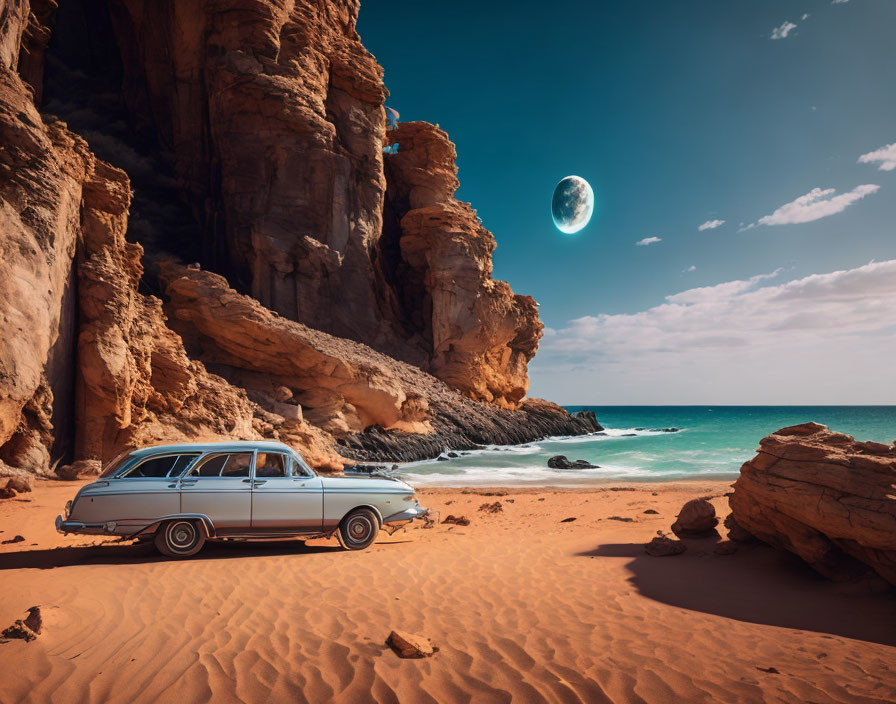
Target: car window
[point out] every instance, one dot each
(158, 467)
(237, 465)
(116, 464)
(270, 464)
(227, 465)
(298, 469)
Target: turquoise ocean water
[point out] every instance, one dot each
(713, 442)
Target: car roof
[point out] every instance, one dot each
(235, 445)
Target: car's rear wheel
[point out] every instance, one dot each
(358, 529)
(180, 538)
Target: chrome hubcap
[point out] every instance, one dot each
(182, 535)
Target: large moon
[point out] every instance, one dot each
(572, 204)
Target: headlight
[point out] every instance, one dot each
(68, 508)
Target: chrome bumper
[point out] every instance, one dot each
(410, 514)
(84, 528)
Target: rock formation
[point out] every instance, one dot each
(825, 497)
(271, 118)
(43, 168)
(697, 517)
(341, 386)
(664, 546)
(479, 337)
(561, 462)
(274, 114)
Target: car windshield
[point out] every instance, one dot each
(115, 465)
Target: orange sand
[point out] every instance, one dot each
(522, 606)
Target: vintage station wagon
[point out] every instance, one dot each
(182, 495)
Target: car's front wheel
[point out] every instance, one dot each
(180, 538)
(358, 529)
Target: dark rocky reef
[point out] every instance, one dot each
(467, 426)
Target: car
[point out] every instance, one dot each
(180, 496)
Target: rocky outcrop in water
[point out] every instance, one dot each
(823, 496)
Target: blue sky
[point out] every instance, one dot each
(678, 114)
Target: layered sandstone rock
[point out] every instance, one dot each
(42, 171)
(342, 386)
(106, 352)
(823, 496)
(480, 335)
(273, 112)
(135, 383)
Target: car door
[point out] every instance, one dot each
(143, 493)
(219, 486)
(285, 497)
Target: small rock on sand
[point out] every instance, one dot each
(662, 546)
(492, 508)
(79, 469)
(769, 670)
(457, 520)
(624, 519)
(408, 645)
(16, 539)
(568, 520)
(7, 493)
(652, 512)
(26, 629)
(697, 517)
(21, 485)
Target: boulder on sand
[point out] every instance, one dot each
(663, 546)
(79, 470)
(823, 496)
(696, 518)
(407, 645)
(19, 484)
(457, 520)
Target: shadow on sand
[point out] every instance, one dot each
(136, 553)
(760, 585)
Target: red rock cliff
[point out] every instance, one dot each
(271, 115)
(273, 111)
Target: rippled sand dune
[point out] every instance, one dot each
(522, 607)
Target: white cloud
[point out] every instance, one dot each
(692, 267)
(648, 240)
(781, 32)
(816, 204)
(805, 16)
(885, 155)
(838, 2)
(825, 338)
(711, 225)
